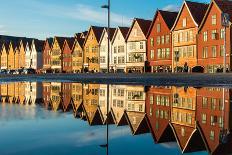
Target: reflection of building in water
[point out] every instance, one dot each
(183, 120)
(66, 96)
(103, 102)
(90, 104)
(77, 97)
(4, 92)
(11, 92)
(158, 110)
(118, 104)
(135, 113)
(213, 115)
(56, 96)
(46, 94)
(33, 93)
(21, 93)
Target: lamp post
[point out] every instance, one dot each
(108, 33)
(108, 71)
(225, 23)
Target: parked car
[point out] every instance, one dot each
(29, 71)
(3, 71)
(10, 71)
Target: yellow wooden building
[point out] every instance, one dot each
(91, 49)
(4, 55)
(77, 55)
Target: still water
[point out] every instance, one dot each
(55, 118)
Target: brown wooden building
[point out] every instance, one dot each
(159, 42)
(211, 38)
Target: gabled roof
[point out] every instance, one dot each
(70, 42)
(39, 44)
(97, 32)
(168, 17)
(123, 30)
(23, 41)
(143, 24)
(223, 5)
(196, 10)
(60, 40)
(105, 31)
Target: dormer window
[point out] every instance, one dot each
(184, 22)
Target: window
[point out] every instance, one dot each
(151, 99)
(220, 122)
(159, 53)
(213, 104)
(204, 102)
(167, 39)
(158, 40)
(162, 40)
(214, 34)
(214, 51)
(115, 60)
(213, 120)
(184, 22)
(214, 19)
(222, 50)
(181, 36)
(167, 52)
(158, 27)
(211, 135)
(222, 33)
(120, 49)
(152, 42)
(205, 36)
(132, 45)
(115, 49)
(190, 35)
(152, 54)
(203, 118)
(141, 45)
(102, 59)
(205, 52)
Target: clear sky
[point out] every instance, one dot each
(45, 18)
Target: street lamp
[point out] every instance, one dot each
(108, 32)
(225, 22)
(108, 71)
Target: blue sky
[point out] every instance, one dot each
(45, 18)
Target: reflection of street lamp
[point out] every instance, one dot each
(108, 32)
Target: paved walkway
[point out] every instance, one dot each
(145, 79)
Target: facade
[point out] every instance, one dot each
(67, 55)
(119, 50)
(136, 45)
(56, 96)
(57, 54)
(22, 49)
(28, 60)
(47, 54)
(91, 49)
(66, 96)
(37, 54)
(77, 97)
(4, 55)
(159, 44)
(77, 55)
(46, 94)
(158, 109)
(11, 55)
(211, 37)
(104, 49)
(184, 34)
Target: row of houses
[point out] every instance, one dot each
(197, 119)
(193, 39)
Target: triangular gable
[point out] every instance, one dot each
(123, 30)
(194, 18)
(144, 26)
(97, 31)
(213, 2)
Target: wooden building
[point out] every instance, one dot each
(136, 45)
(211, 36)
(159, 44)
(91, 49)
(184, 34)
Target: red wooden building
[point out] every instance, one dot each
(67, 55)
(159, 43)
(47, 55)
(211, 36)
